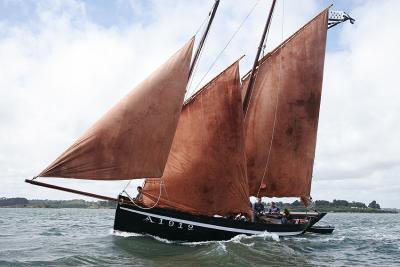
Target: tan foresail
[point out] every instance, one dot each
(133, 139)
(282, 117)
(206, 169)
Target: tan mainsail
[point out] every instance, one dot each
(282, 117)
(133, 139)
(206, 169)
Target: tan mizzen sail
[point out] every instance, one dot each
(133, 139)
(282, 117)
(206, 169)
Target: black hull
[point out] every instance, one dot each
(181, 226)
(312, 217)
(321, 229)
(314, 220)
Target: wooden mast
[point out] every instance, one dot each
(203, 38)
(255, 64)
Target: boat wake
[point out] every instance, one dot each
(264, 235)
(129, 234)
(124, 234)
(237, 239)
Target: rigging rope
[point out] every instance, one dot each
(138, 206)
(204, 21)
(276, 104)
(126, 186)
(227, 44)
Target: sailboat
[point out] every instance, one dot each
(203, 158)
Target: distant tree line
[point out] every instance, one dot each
(336, 205)
(13, 201)
(38, 203)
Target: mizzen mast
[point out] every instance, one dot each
(255, 64)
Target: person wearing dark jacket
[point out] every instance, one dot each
(259, 207)
(286, 218)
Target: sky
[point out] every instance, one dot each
(64, 63)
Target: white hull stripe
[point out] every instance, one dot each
(211, 226)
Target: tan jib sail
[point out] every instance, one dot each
(282, 117)
(206, 169)
(133, 139)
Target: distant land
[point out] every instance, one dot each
(20, 202)
(340, 206)
(321, 205)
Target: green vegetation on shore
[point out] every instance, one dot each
(339, 206)
(20, 202)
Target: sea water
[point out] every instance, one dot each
(84, 237)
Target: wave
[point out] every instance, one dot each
(124, 234)
(236, 239)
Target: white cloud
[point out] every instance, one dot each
(60, 70)
(358, 146)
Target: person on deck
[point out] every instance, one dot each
(274, 209)
(286, 218)
(139, 196)
(259, 207)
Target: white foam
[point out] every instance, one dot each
(222, 246)
(263, 235)
(237, 239)
(199, 243)
(124, 234)
(163, 240)
(130, 234)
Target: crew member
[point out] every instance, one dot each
(286, 218)
(259, 207)
(274, 209)
(139, 196)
